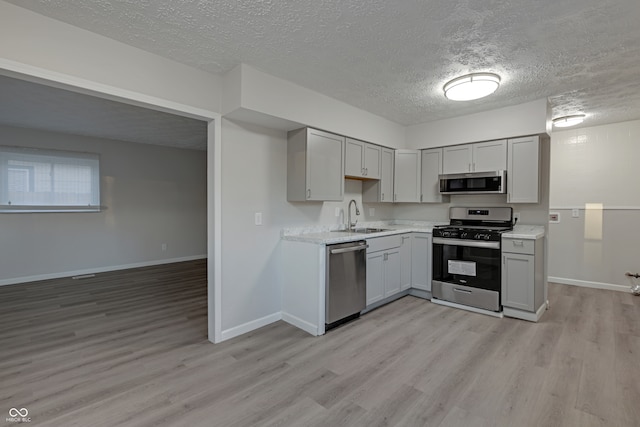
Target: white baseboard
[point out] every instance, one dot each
(25, 279)
(227, 334)
(588, 284)
(299, 323)
(525, 315)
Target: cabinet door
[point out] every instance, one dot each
(523, 170)
(405, 262)
(518, 281)
(354, 153)
(489, 156)
(457, 159)
(421, 261)
(372, 161)
(431, 168)
(325, 173)
(406, 185)
(375, 277)
(386, 175)
(392, 270)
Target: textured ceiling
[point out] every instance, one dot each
(393, 57)
(31, 105)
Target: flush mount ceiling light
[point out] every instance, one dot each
(566, 121)
(471, 86)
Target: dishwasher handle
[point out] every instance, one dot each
(350, 249)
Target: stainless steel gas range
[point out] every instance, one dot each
(467, 266)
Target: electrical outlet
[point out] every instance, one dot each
(164, 247)
(372, 211)
(337, 212)
(516, 216)
(554, 217)
(575, 213)
(258, 218)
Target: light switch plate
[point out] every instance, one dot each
(372, 211)
(575, 213)
(337, 212)
(258, 218)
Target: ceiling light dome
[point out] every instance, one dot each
(566, 121)
(471, 86)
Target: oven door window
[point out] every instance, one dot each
(462, 265)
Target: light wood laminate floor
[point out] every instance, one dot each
(129, 348)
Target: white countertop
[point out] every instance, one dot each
(525, 232)
(328, 235)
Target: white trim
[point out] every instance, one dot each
(26, 279)
(589, 284)
(227, 334)
(604, 208)
(525, 315)
(299, 323)
(466, 307)
(76, 84)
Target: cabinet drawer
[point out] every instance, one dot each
(384, 243)
(519, 246)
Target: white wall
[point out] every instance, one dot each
(153, 195)
(254, 179)
(531, 118)
(595, 170)
(29, 38)
(274, 97)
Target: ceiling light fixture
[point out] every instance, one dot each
(471, 86)
(566, 121)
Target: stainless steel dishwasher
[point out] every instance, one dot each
(346, 282)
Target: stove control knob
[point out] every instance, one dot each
(463, 235)
(487, 237)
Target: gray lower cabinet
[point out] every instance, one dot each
(522, 277)
(421, 261)
(387, 258)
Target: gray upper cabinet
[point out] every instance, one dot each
(523, 180)
(315, 169)
(478, 157)
(381, 191)
(431, 169)
(362, 160)
(457, 159)
(406, 183)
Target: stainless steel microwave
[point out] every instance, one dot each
(474, 183)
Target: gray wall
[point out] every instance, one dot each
(153, 195)
(594, 170)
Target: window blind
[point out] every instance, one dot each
(36, 180)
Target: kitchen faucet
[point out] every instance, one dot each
(351, 226)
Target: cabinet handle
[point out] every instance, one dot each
(395, 197)
(474, 167)
(386, 256)
(366, 171)
(469, 167)
(308, 193)
(382, 196)
(503, 260)
(405, 237)
(362, 172)
(518, 243)
(421, 197)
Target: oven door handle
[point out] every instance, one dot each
(468, 243)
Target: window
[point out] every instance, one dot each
(34, 180)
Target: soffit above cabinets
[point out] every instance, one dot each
(392, 58)
(36, 106)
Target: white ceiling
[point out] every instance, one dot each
(32, 105)
(393, 57)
